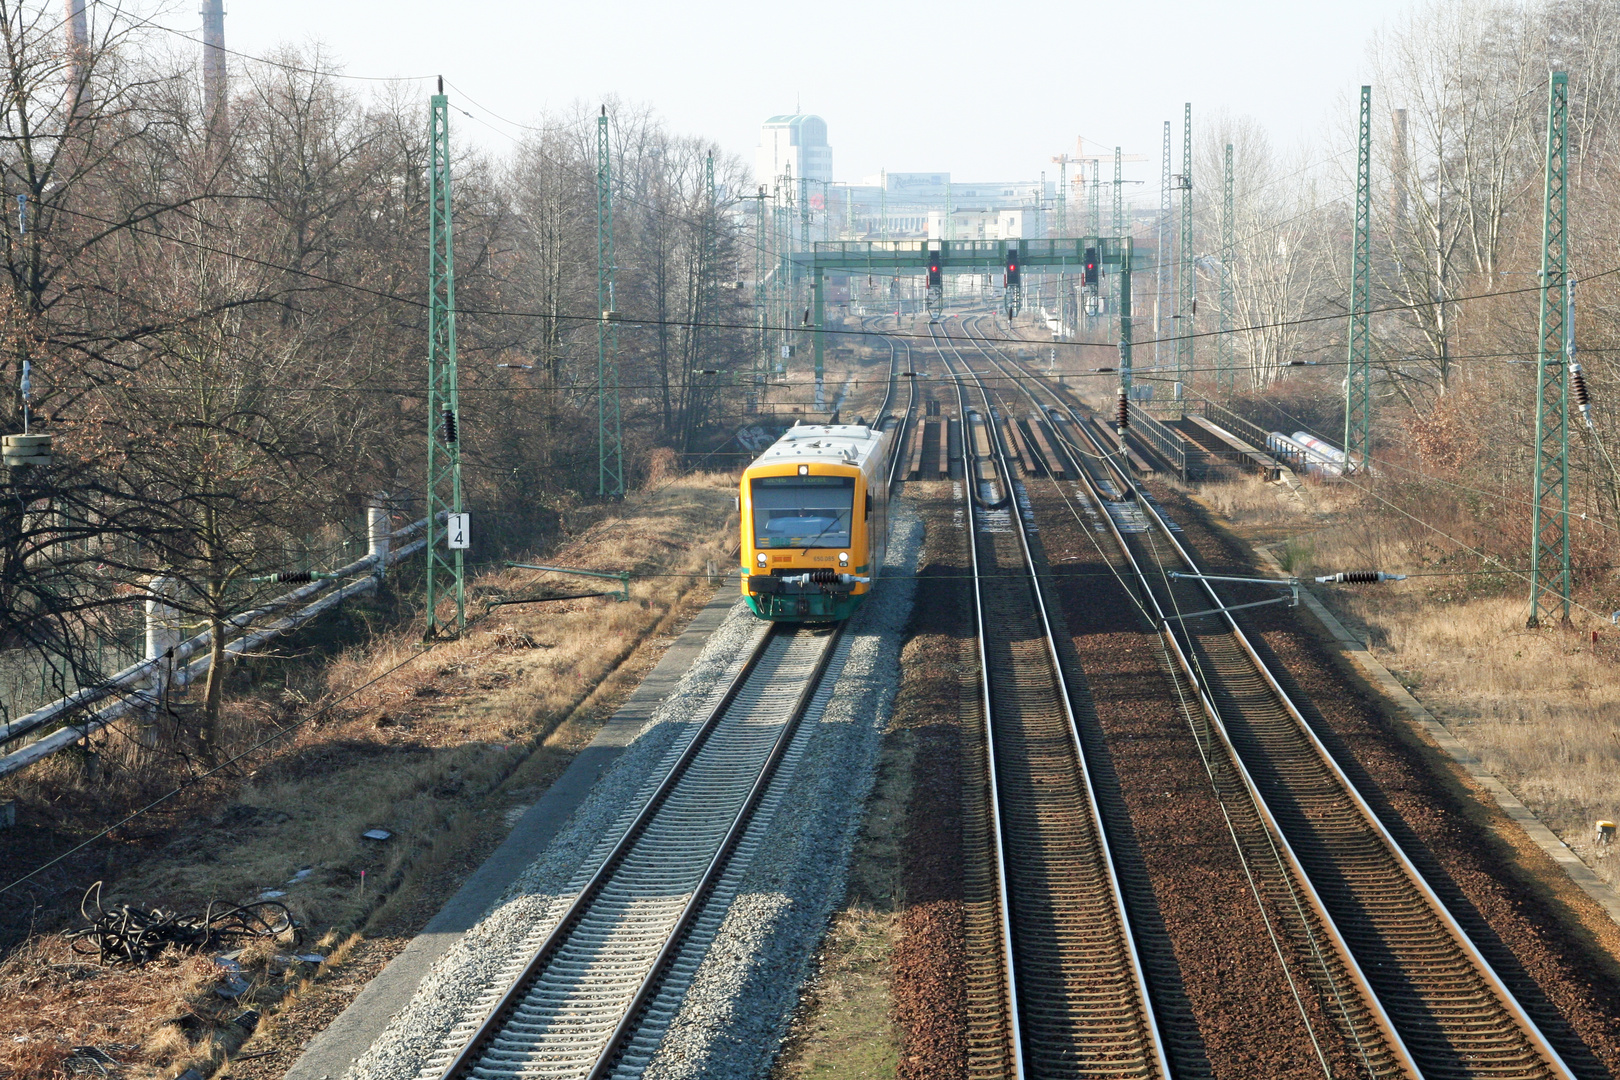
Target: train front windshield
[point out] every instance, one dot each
(802, 511)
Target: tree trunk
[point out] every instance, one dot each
(214, 693)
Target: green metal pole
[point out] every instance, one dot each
(1119, 210)
(444, 568)
(782, 224)
(1549, 526)
(1187, 304)
(790, 275)
(820, 317)
(1358, 365)
(883, 204)
(1119, 194)
(706, 306)
(1096, 196)
(1223, 364)
(1063, 195)
(1162, 293)
(609, 440)
(1125, 257)
(762, 359)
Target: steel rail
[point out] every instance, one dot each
(1015, 1041)
(711, 875)
(1494, 983)
(466, 1062)
(1154, 1053)
(624, 1033)
(1295, 869)
(898, 442)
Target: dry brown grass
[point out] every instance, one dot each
(1540, 708)
(1251, 501)
(55, 1001)
(419, 742)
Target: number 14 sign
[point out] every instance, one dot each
(458, 531)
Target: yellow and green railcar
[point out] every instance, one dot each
(814, 515)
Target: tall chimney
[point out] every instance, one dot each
(213, 13)
(1399, 164)
(78, 42)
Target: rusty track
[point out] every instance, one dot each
(1451, 1013)
(1076, 995)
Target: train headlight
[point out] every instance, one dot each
(760, 558)
(843, 558)
(804, 470)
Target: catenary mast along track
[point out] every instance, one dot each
(1076, 995)
(1453, 1014)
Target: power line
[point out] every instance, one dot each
(260, 59)
(631, 320)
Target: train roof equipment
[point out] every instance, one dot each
(844, 444)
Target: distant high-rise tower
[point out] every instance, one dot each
(78, 42)
(795, 140)
(213, 14)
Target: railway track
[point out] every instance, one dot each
(1420, 997)
(1073, 998)
(595, 996)
(899, 350)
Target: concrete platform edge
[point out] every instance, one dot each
(1582, 875)
(330, 1053)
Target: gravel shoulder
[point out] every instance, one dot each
(744, 992)
(737, 1011)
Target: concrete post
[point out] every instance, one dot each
(379, 530)
(162, 635)
(162, 617)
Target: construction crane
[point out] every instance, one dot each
(1095, 159)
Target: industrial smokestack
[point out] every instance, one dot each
(213, 13)
(1398, 164)
(78, 43)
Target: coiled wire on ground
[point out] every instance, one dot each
(126, 935)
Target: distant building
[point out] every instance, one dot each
(893, 205)
(909, 206)
(980, 223)
(795, 141)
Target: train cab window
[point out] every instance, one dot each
(802, 511)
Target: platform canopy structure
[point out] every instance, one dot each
(934, 258)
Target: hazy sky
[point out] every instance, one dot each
(985, 91)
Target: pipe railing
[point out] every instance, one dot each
(174, 667)
(1167, 442)
(1246, 429)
